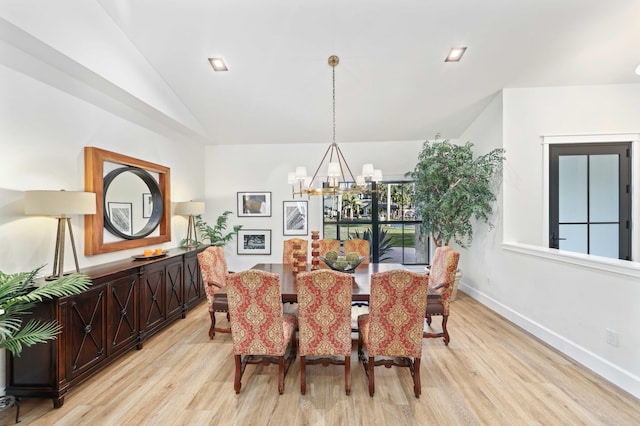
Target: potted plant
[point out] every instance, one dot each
(216, 235)
(453, 189)
(19, 294)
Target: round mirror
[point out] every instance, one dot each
(132, 203)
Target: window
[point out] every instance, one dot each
(590, 198)
(386, 216)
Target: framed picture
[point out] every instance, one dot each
(147, 205)
(295, 218)
(254, 204)
(121, 216)
(254, 241)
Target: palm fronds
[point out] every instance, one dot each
(19, 293)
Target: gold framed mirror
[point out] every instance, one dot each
(101, 168)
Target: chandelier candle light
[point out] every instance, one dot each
(301, 184)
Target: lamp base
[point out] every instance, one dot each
(55, 277)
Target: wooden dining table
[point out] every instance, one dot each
(361, 278)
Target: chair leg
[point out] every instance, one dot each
(238, 374)
(444, 329)
(303, 372)
(417, 387)
(281, 374)
(372, 386)
(347, 374)
(212, 332)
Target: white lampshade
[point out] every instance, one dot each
(187, 208)
(301, 172)
(57, 203)
(334, 169)
(291, 178)
(367, 170)
(377, 175)
(360, 181)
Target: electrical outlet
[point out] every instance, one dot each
(612, 337)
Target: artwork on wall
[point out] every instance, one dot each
(295, 218)
(254, 241)
(147, 205)
(121, 216)
(254, 204)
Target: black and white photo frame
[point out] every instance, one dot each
(254, 204)
(254, 241)
(295, 218)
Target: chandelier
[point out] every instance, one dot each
(336, 182)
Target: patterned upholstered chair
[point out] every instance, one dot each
(328, 244)
(393, 326)
(287, 253)
(324, 321)
(442, 274)
(359, 246)
(214, 278)
(261, 332)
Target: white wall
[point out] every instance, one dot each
(566, 300)
(51, 107)
(232, 169)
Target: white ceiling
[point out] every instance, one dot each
(392, 83)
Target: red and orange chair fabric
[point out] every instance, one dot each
(328, 244)
(261, 332)
(213, 268)
(324, 321)
(393, 327)
(442, 275)
(287, 253)
(358, 246)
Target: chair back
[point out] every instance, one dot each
(359, 246)
(324, 313)
(442, 273)
(328, 244)
(213, 268)
(255, 310)
(396, 313)
(287, 253)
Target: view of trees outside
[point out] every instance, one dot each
(398, 233)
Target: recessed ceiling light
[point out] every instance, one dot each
(455, 54)
(218, 64)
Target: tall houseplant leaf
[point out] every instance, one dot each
(452, 188)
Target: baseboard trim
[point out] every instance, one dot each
(611, 372)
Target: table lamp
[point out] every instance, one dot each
(190, 208)
(60, 204)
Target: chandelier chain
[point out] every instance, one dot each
(334, 103)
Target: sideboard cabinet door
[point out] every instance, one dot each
(85, 328)
(174, 274)
(122, 313)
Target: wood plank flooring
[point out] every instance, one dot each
(492, 373)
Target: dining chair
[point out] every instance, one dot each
(261, 333)
(392, 330)
(324, 321)
(442, 275)
(287, 253)
(328, 244)
(359, 246)
(213, 268)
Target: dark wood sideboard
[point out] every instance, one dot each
(129, 300)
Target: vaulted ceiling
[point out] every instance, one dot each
(392, 83)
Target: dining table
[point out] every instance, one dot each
(361, 287)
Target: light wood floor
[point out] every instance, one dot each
(492, 373)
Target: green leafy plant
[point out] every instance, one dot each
(384, 244)
(216, 235)
(452, 188)
(19, 294)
